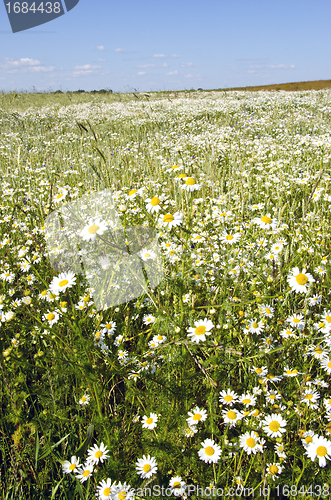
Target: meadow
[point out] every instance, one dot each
(219, 376)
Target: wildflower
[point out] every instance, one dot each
(148, 319)
(267, 310)
(247, 400)
(190, 184)
(210, 451)
(196, 415)
(231, 417)
(297, 321)
(61, 196)
(273, 425)
(326, 365)
(277, 248)
(311, 397)
(84, 472)
(265, 222)
(146, 466)
(250, 442)
(97, 454)
(320, 448)
(147, 255)
(229, 238)
(170, 221)
(149, 422)
(84, 400)
(62, 282)
(256, 327)
(228, 397)
(153, 204)
(298, 280)
(201, 329)
(94, 227)
(52, 317)
(123, 491)
(106, 489)
(273, 470)
(177, 486)
(70, 465)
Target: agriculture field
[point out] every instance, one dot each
(216, 373)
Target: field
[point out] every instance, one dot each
(216, 375)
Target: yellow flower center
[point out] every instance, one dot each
(266, 219)
(228, 398)
(155, 201)
(44, 293)
(318, 350)
(200, 330)
(86, 473)
(176, 484)
(133, 191)
(181, 176)
(229, 237)
(209, 451)
(274, 426)
(308, 439)
(63, 304)
(231, 415)
(149, 421)
(308, 396)
(272, 396)
(255, 325)
(328, 319)
(250, 442)
(122, 495)
(321, 451)
(106, 492)
(296, 320)
(246, 401)
(258, 370)
(168, 218)
(301, 279)
(50, 316)
(83, 399)
(197, 416)
(72, 467)
(256, 412)
(273, 469)
(98, 454)
(93, 229)
(267, 311)
(190, 181)
(147, 468)
(63, 283)
(175, 167)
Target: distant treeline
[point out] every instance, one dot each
(102, 91)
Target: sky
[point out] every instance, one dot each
(149, 45)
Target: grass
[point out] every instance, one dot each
(243, 305)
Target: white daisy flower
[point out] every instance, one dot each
(84, 400)
(231, 417)
(148, 319)
(274, 425)
(228, 397)
(106, 489)
(250, 442)
(273, 470)
(177, 486)
(52, 317)
(210, 451)
(97, 454)
(190, 184)
(200, 330)
(265, 222)
(94, 227)
(146, 466)
(196, 415)
(170, 221)
(149, 422)
(153, 204)
(320, 448)
(62, 282)
(299, 280)
(147, 255)
(70, 465)
(84, 472)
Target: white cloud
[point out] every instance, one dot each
(186, 65)
(146, 66)
(174, 55)
(140, 73)
(172, 72)
(281, 66)
(119, 50)
(159, 55)
(85, 70)
(102, 60)
(165, 65)
(101, 47)
(188, 76)
(23, 65)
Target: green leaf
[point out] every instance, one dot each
(37, 451)
(87, 442)
(51, 448)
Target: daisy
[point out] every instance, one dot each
(123, 491)
(326, 365)
(255, 326)
(196, 415)
(190, 184)
(190, 431)
(326, 318)
(70, 465)
(177, 486)
(298, 280)
(94, 227)
(61, 196)
(265, 222)
(147, 255)
(311, 397)
(321, 270)
(250, 442)
(97, 454)
(273, 425)
(170, 221)
(148, 319)
(321, 448)
(273, 470)
(108, 328)
(272, 396)
(261, 371)
(84, 400)
(146, 467)
(291, 373)
(267, 310)
(297, 321)
(210, 451)
(287, 333)
(231, 417)
(228, 397)
(229, 238)
(85, 471)
(62, 282)
(52, 317)
(247, 400)
(277, 247)
(307, 438)
(149, 422)
(153, 204)
(106, 489)
(200, 330)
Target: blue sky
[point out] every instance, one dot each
(174, 45)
